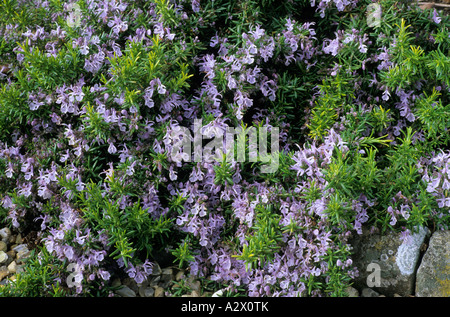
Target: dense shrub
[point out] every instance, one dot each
(92, 91)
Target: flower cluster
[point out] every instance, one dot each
(93, 94)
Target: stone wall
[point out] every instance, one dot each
(392, 266)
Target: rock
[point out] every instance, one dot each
(5, 234)
(155, 281)
(22, 252)
(167, 273)
(3, 246)
(166, 277)
(159, 291)
(146, 291)
(125, 291)
(12, 267)
(386, 263)
(11, 256)
(19, 239)
(156, 269)
(180, 276)
(368, 292)
(131, 284)
(352, 292)
(194, 284)
(195, 294)
(3, 272)
(218, 293)
(433, 275)
(3, 257)
(116, 282)
(20, 248)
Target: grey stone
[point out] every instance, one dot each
(125, 291)
(166, 278)
(5, 234)
(11, 256)
(218, 293)
(3, 246)
(352, 292)
(3, 272)
(433, 275)
(167, 274)
(131, 283)
(180, 276)
(19, 239)
(156, 269)
(155, 281)
(22, 254)
(12, 267)
(195, 294)
(159, 292)
(20, 248)
(194, 284)
(368, 292)
(386, 263)
(146, 291)
(3, 257)
(116, 282)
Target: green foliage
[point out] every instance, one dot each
(264, 238)
(37, 278)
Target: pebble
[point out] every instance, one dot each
(131, 284)
(352, 292)
(180, 276)
(146, 291)
(12, 267)
(3, 272)
(20, 248)
(368, 292)
(166, 277)
(3, 257)
(154, 281)
(218, 293)
(3, 246)
(22, 252)
(195, 294)
(156, 270)
(116, 282)
(5, 234)
(19, 239)
(194, 284)
(159, 291)
(125, 291)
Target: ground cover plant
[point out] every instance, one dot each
(91, 92)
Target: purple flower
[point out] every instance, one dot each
(10, 170)
(332, 47)
(207, 65)
(112, 149)
(436, 19)
(79, 238)
(94, 62)
(195, 5)
(105, 275)
(118, 25)
(258, 33)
